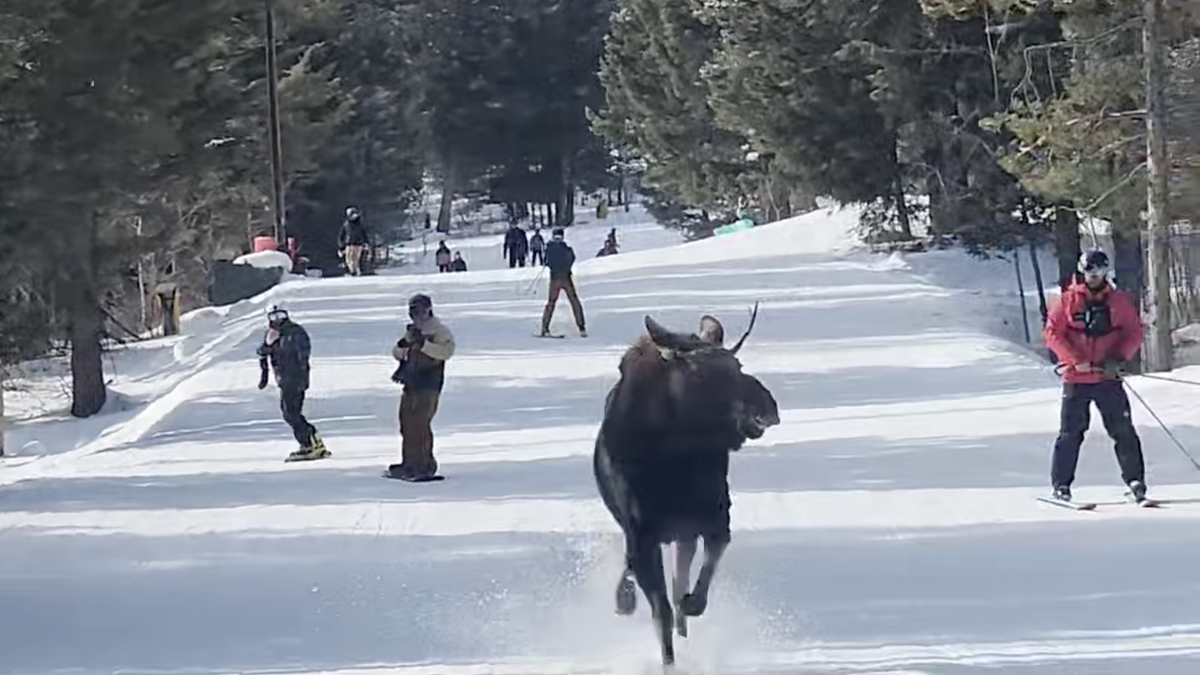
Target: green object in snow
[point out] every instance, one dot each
(736, 226)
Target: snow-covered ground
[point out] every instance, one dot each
(636, 231)
(887, 526)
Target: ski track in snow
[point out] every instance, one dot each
(887, 526)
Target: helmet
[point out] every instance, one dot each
(1094, 263)
(351, 212)
(557, 233)
(276, 315)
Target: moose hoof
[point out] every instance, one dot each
(626, 596)
(693, 605)
(681, 628)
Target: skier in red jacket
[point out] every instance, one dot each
(1095, 330)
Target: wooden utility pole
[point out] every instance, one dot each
(277, 205)
(1159, 349)
(3, 423)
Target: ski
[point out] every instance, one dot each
(1091, 506)
(1074, 506)
(555, 336)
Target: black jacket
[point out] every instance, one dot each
(515, 242)
(353, 233)
(288, 357)
(559, 258)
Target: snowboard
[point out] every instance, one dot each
(289, 459)
(427, 479)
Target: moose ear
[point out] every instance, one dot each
(659, 335)
(712, 331)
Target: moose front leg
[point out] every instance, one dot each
(646, 559)
(685, 553)
(694, 603)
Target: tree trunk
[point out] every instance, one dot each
(445, 212)
(86, 321)
(1067, 247)
(566, 197)
(3, 421)
(1159, 349)
(1043, 308)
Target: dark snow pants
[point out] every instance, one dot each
(291, 401)
(1113, 403)
(417, 409)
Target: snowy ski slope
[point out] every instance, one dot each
(887, 526)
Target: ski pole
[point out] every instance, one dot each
(535, 280)
(1164, 378)
(1178, 444)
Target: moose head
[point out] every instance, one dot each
(716, 372)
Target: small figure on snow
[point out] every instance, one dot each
(353, 241)
(516, 246)
(560, 258)
(537, 248)
(1095, 330)
(442, 256)
(422, 352)
(286, 348)
(458, 264)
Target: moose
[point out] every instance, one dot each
(661, 462)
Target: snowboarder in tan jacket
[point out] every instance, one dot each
(422, 353)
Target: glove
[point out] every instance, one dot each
(1115, 368)
(262, 381)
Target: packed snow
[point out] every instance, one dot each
(887, 526)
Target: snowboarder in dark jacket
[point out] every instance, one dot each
(285, 350)
(560, 258)
(353, 240)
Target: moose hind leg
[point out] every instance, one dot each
(694, 603)
(647, 563)
(626, 592)
(685, 553)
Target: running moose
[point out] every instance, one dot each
(661, 462)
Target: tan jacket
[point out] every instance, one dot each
(439, 341)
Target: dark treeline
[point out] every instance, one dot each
(133, 142)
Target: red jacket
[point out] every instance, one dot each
(1065, 335)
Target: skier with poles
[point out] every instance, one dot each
(1095, 330)
(286, 349)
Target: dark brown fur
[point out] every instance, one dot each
(661, 461)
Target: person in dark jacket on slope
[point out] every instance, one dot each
(285, 350)
(1095, 330)
(353, 241)
(516, 246)
(560, 258)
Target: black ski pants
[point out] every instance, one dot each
(1113, 403)
(515, 260)
(291, 401)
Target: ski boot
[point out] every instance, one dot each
(316, 450)
(1137, 493)
(1062, 493)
